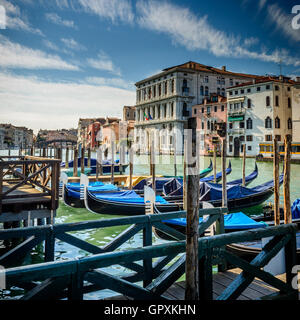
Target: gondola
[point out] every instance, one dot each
(70, 192)
(238, 197)
(237, 221)
(161, 181)
(202, 173)
(106, 166)
(122, 202)
(218, 175)
(249, 250)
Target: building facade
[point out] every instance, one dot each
(129, 113)
(15, 137)
(164, 101)
(208, 114)
(296, 110)
(257, 112)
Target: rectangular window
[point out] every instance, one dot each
(242, 125)
(268, 137)
(216, 108)
(276, 101)
(242, 91)
(258, 89)
(278, 137)
(249, 90)
(267, 86)
(230, 138)
(249, 148)
(242, 138)
(195, 111)
(230, 93)
(230, 125)
(249, 138)
(222, 108)
(230, 148)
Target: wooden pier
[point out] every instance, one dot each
(162, 265)
(257, 290)
(29, 188)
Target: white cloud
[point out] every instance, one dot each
(283, 22)
(111, 9)
(261, 4)
(103, 62)
(15, 20)
(36, 103)
(196, 33)
(72, 44)
(14, 55)
(56, 19)
(114, 82)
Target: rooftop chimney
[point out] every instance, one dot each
(297, 79)
(224, 68)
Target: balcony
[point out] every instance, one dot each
(237, 112)
(237, 131)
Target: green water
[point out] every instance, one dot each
(103, 236)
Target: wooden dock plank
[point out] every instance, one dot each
(221, 280)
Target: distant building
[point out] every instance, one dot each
(15, 137)
(92, 132)
(258, 111)
(56, 138)
(208, 114)
(128, 113)
(164, 101)
(296, 110)
(83, 124)
(110, 131)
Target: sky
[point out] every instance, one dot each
(65, 59)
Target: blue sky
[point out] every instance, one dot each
(65, 59)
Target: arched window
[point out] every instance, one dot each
(268, 123)
(277, 123)
(208, 125)
(159, 89)
(173, 85)
(166, 87)
(249, 103)
(267, 101)
(201, 91)
(289, 103)
(249, 123)
(290, 124)
(206, 91)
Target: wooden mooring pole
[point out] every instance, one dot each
(192, 215)
(286, 180)
(215, 163)
(89, 157)
(75, 163)
(224, 178)
(175, 159)
(67, 158)
(130, 167)
(82, 159)
(152, 164)
(276, 182)
(184, 174)
(112, 161)
(244, 165)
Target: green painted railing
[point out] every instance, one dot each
(75, 277)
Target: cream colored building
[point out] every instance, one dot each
(164, 101)
(296, 111)
(258, 111)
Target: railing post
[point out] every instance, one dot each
(49, 245)
(147, 263)
(205, 288)
(75, 289)
(291, 260)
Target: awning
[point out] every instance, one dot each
(240, 118)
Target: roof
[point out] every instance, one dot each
(201, 67)
(263, 80)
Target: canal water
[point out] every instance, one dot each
(103, 236)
